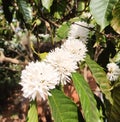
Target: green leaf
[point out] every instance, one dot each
(32, 113)
(36, 1)
(115, 109)
(117, 58)
(87, 99)
(42, 55)
(62, 31)
(115, 23)
(102, 11)
(100, 77)
(25, 10)
(47, 4)
(62, 107)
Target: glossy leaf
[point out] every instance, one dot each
(102, 11)
(47, 4)
(116, 58)
(87, 99)
(25, 10)
(62, 31)
(32, 113)
(62, 107)
(115, 23)
(100, 77)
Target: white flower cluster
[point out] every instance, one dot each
(113, 71)
(77, 49)
(64, 63)
(38, 78)
(79, 30)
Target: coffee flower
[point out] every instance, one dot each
(113, 71)
(77, 49)
(37, 79)
(63, 62)
(79, 30)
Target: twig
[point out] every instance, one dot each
(49, 21)
(3, 58)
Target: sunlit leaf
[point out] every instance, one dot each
(87, 99)
(62, 31)
(117, 58)
(62, 107)
(100, 77)
(115, 23)
(32, 113)
(102, 11)
(47, 4)
(42, 55)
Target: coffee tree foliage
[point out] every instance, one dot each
(23, 26)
